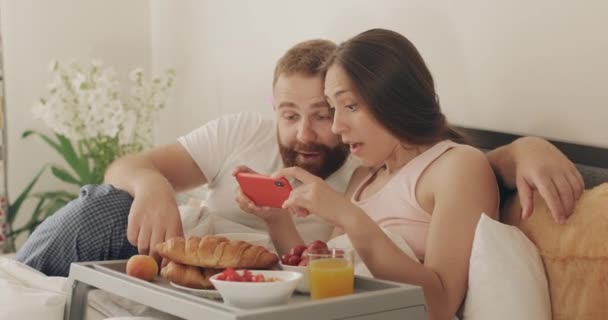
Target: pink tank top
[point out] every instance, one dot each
(395, 208)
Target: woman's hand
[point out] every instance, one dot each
(315, 196)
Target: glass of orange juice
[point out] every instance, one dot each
(331, 273)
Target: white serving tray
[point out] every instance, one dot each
(372, 300)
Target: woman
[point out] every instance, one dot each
(415, 180)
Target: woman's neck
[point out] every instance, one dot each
(401, 155)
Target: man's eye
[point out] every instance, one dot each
(325, 117)
(291, 117)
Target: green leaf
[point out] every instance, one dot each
(48, 203)
(63, 146)
(64, 176)
(56, 194)
(44, 137)
(79, 164)
(14, 207)
(37, 211)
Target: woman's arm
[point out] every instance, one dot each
(463, 187)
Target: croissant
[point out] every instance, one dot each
(188, 276)
(216, 252)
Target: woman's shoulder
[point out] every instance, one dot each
(461, 177)
(462, 156)
(465, 167)
(461, 163)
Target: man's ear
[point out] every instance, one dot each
(272, 101)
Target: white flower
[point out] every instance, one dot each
(136, 74)
(85, 103)
(53, 65)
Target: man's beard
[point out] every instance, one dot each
(330, 159)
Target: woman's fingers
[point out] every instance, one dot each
(297, 173)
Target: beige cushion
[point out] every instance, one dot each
(575, 254)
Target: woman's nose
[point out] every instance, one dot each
(337, 126)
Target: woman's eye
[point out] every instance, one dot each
(351, 107)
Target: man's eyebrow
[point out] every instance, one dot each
(320, 104)
(286, 105)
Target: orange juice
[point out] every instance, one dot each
(330, 277)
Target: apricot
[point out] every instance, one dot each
(143, 267)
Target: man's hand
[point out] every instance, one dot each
(154, 216)
(541, 167)
(266, 213)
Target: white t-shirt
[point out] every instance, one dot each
(249, 139)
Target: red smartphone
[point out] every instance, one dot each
(263, 190)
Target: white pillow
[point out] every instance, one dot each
(506, 276)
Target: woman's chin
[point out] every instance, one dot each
(370, 163)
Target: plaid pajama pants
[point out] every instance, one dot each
(92, 227)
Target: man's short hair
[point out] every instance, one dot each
(305, 57)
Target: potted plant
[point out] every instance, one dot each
(92, 124)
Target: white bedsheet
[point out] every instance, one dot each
(26, 293)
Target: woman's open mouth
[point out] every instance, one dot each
(355, 147)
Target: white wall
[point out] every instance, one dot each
(519, 66)
(535, 67)
(36, 31)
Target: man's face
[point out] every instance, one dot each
(304, 122)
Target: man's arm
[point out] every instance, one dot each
(152, 178)
(171, 163)
(533, 164)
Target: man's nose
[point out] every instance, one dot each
(306, 133)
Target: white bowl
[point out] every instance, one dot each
(304, 283)
(205, 293)
(259, 239)
(258, 294)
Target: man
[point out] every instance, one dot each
(139, 197)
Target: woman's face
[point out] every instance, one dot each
(354, 122)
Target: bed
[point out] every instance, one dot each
(591, 161)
